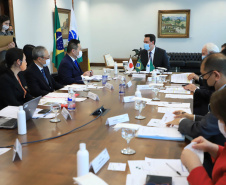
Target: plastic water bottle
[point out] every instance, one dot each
(154, 76)
(71, 100)
(82, 160)
(115, 68)
(122, 86)
(104, 78)
(137, 94)
(21, 121)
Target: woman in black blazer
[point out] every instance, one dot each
(13, 86)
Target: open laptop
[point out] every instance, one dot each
(29, 108)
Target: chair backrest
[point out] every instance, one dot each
(108, 60)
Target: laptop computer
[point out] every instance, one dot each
(29, 108)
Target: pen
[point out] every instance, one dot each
(46, 113)
(174, 169)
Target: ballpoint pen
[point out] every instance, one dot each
(46, 113)
(174, 169)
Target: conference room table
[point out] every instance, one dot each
(53, 162)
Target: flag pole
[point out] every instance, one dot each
(55, 2)
(73, 4)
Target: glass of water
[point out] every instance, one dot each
(156, 89)
(141, 105)
(86, 82)
(128, 134)
(55, 108)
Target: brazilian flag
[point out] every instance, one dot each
(58, 45)
(139, 66)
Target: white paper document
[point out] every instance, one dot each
(175, 91)
(56, 95)
(127, 99)
(179, 96)
(172, 109)
(167, 133)
(199, 153)
(138, 75)
(47, 115)
(156, 123)
(88, 179)
(4, 150)
(143, 87)
(9, 112)
(180, 78)
(117, 166)
(168, 116)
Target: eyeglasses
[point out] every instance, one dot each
(210, 72)
(46, 58)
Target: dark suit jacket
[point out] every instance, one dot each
(11, 92)
(37, 83)
(206, 126)
(160, 58)
(68, 72)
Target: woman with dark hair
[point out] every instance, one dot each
(198, 175)
(4, 26)
(28, 53)
(13, 88)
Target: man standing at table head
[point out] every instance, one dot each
(69, 70)
(38, 77)
(156, 55)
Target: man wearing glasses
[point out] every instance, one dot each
(201, 94)
(213, 70)
(38, 77)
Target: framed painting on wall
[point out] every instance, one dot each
(173, 23)
(64, 16)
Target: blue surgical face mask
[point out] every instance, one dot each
(203, 56)
(146, 46)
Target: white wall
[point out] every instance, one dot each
(118, 26)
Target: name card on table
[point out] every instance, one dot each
(93, 96)
(117, 119)
(65, 113)
(129, 84)
(17, 150)
(109, 86)
(100, 160)
(128, 99)
(138, 75)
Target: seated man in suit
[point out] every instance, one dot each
(201, 94)
(213, 70)
(69, 70)
(156, 55)
(38, 77)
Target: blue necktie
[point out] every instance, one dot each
(150, 57)
(44, 75)
(76, 63)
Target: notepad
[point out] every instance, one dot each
(160, 133)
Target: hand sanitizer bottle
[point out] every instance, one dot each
(21, 121)
(82, 160)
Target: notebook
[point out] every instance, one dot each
(29, 108)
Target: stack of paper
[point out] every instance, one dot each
(179, 96)
(180, 78)
(160, 133)
(176, 90)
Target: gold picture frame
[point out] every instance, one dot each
(173, 23)
(64, 16)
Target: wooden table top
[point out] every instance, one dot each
(54, 161)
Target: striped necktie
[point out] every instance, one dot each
(150, 58)
(44, 75)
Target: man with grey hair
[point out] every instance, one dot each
(201, 94)
(38, 77)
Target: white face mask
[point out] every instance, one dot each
(221, 128)
(5, 27)
(203, 56)
(47, 63)
(80, 54)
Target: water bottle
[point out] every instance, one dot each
(21, 121)
(115, 68)
(154, 76)
(104, 78)
(82, 160)
(122, 86)
(137, 94)
(71, 100)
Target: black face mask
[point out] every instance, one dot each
(205, 84)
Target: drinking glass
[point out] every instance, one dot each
(86, 82)
(55, 108)
(156, 89)
(128, 134)
(141, 105)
